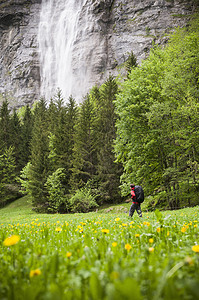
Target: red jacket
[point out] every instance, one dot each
(133, 194)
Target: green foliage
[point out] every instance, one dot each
(130, 63)
(83, 201)
(7, 166)
(56, 190)
(26, 135)
(159, 216)
(16, 138)
(7, 173)
(84, 151)
(25, 179)
(39, 167)
(108, 171)
(157, 136)
(62, 121)
(5, 126)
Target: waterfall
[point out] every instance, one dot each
(63, 29)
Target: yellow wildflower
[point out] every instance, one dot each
(137, 235)
(105, 231)
(158, 229)
(68, 254)
(195, 248)
(117, 219)
(151, 249)
(146, 223)
(150, 241)
(12, 240)
(114, 244)
(183, 229)
(58, 229)
(128, 247)
(34, 273)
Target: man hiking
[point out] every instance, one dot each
(137, 196)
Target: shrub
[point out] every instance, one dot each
(83, 201)
(56, 191)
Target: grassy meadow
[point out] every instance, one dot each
(99, 255)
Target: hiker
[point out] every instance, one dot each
(137, 195)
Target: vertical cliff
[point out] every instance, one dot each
(106, 32)
(19, 62)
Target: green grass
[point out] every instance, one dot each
(17, 210)
(99, 255)
(21, 210)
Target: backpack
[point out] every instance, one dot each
(139, 193)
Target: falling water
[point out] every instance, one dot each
(60, 30)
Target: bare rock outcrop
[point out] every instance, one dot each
(115, 28)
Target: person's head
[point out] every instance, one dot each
(132, 186)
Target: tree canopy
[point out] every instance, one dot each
(157, 127)
(143, 130)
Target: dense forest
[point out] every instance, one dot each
(142, 129)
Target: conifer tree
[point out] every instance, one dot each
(7, 174)
(39, 167)
(16, 138)
(52, 116)
(5, 129)
(130, 63)
(9, 152)
(84, 152)
(108, 171)
(62, 136)
(26, 131)
(71, 119)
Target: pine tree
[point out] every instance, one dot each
(7, 174)
(39, 167)
(108, 171)
(62, 136)
(130, 63)
(5, 129)
(71, 118)
(84, 152)
(26, 131)
(16, 138)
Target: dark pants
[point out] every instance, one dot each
(135, 206)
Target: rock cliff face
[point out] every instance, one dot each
(19, 63)
(112, 29)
